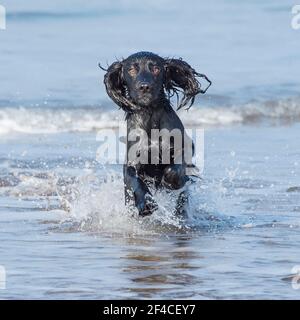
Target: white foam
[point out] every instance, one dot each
(99, 207)
(87, 119)
(36, 121)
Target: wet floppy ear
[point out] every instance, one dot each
(115, 86)
(181, 77)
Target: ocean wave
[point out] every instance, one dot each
(88, 119)
(54, 120)
(250, 113)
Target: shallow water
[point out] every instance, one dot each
(64, 230)
(50, 50)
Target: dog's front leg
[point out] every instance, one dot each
(136, 190)
(175, 178)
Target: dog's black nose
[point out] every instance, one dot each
(144, 87)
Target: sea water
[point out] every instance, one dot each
(65, 232)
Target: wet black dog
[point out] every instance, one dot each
(142, 85)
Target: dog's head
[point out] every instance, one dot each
(144, 78)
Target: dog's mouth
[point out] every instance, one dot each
(145, 99)
(149, 98)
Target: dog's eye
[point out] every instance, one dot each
(155, 70)
(133, 70)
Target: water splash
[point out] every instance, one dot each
(96, 204)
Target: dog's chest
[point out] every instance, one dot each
(144, 140)
(145, 121)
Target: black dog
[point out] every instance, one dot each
(142, 86)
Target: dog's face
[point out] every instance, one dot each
(143, 75)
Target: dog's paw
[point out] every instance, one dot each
(148, 206)
(174, 177)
